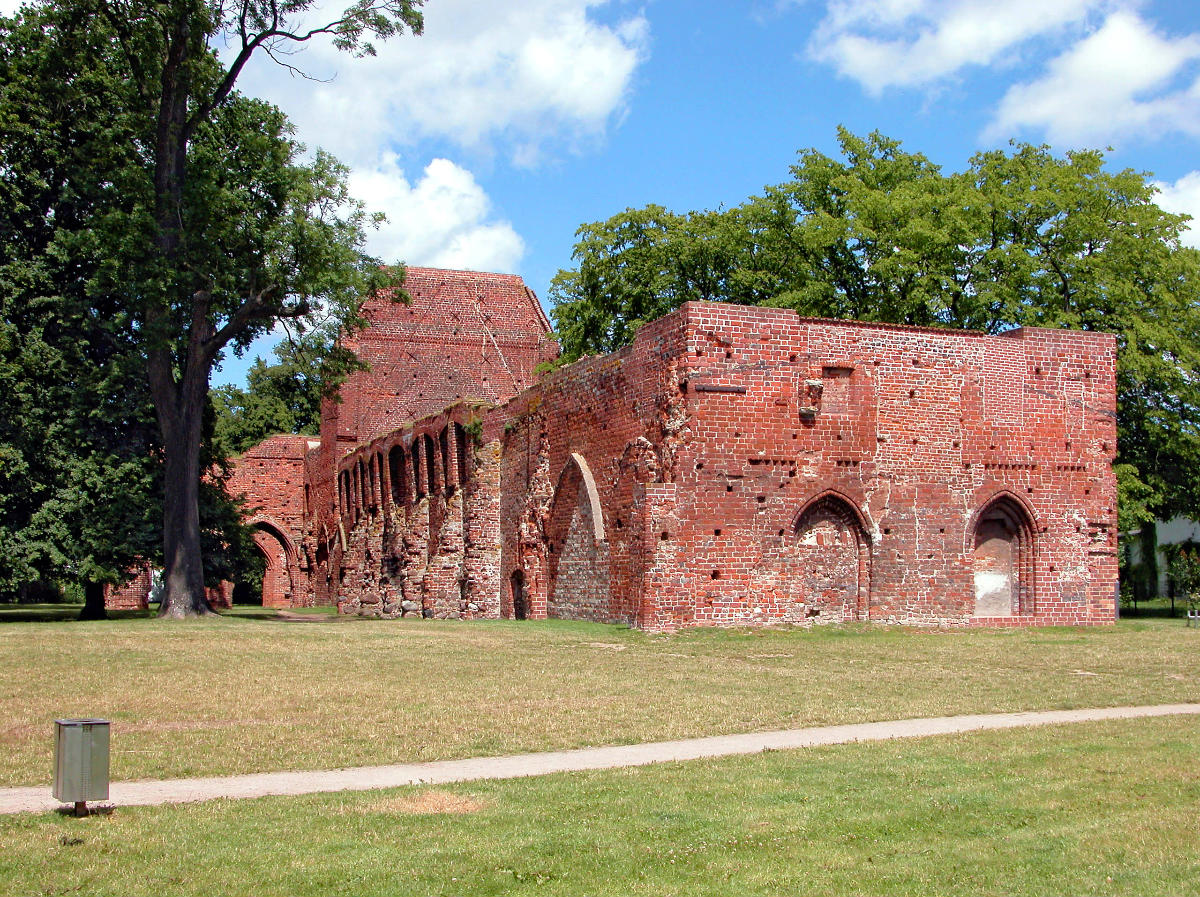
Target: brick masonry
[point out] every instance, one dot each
(733, 466)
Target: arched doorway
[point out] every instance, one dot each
(520, 600)
(268, 581)
(1002, 559)
(832, 561)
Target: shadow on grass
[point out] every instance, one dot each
(69, 613)
(257, 614)
(60, 613)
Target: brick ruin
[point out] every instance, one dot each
(733, 466)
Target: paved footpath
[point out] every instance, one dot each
(365, 778)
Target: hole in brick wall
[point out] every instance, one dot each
(618, 524)
(699, 465)
(737, 435)
(716, 574)
(795, 435)
(792, 472)
(916, 362)
(957, 443)
(729, 355)
(839, 437)
(729, 487)
(716, 532)
(781, 532)
(941, 529)
(887, 532)
(1087, 491)
(912, 393)
(1029, 489)
(699, 352)
(665, 536)
(761, 499)
(915, 440)
(792, 358)
(1087, 375)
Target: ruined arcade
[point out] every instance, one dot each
(733, 466)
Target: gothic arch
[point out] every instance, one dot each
(832, 558)
(577, 547)
(1002, 544)
(279, 553)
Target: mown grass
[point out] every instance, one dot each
(1089, 809)
(256, 692)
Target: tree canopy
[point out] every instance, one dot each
(205, 225)
(1021, 237)
(284, 397)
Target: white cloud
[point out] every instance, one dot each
(907, 43)
(1121, 80)
(1183, 197)
(537, 72)
(443, 219)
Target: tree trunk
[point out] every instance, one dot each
(183, 576)
(93, 602)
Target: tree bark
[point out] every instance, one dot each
(183, 576)
(93, 602)
(179, 404)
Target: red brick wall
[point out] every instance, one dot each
(133, 594)
(745, 466)
(466, 337)
(273, 477)
(733, 466)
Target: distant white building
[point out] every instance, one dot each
(1166, 532)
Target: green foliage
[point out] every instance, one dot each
(79, 481)
(284, 397)
(178, 219)
(1022, 237)
(1183, 566)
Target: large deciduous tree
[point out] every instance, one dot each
(1022, 237)
(217, 229)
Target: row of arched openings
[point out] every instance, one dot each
(1002, 552)
(403, 476)
(833, 553)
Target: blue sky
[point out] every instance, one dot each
(491, 138)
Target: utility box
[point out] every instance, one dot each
(80, 760)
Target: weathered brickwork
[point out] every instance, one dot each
(733, 466)
(741, 466)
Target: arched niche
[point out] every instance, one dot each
(1002, 558)
(577, 547)
(832, 560)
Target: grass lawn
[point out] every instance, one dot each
(1088, 809)
(255, 692)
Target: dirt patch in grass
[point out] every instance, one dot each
(432, 801)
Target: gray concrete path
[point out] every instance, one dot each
(365, 778)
